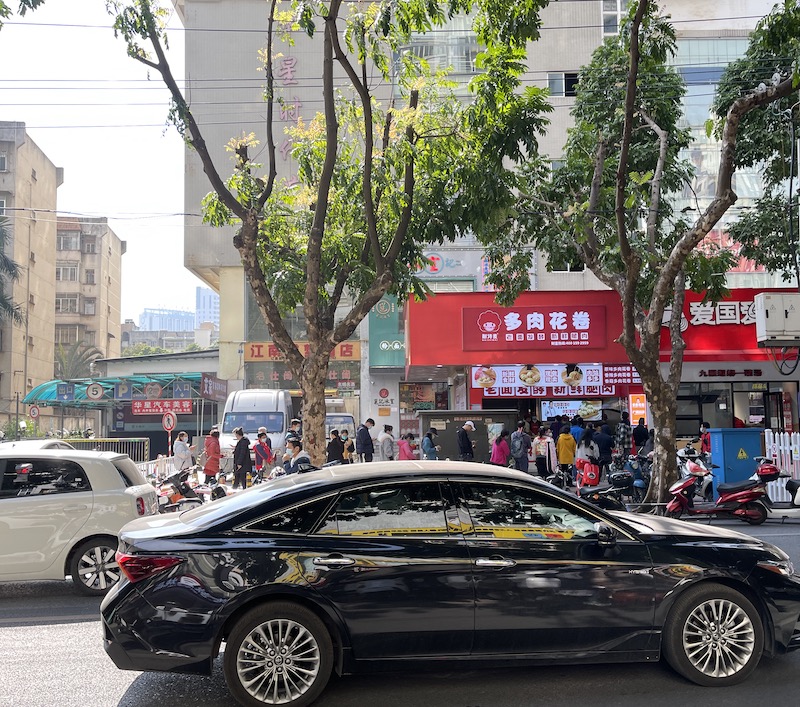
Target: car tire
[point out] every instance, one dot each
(94, 567)
(713, 636)
(278, 654)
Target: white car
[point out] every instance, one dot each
(29, 445)
(61, 510)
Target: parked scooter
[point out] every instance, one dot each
(176, 494)
(610, 496)
(745, 500)
(786, 509)
(704, 485)
(639, 467)
(561, 477)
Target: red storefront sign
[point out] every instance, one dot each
(725, 331)
(159, 407)
(522, 328)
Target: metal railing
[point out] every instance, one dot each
(137, 448)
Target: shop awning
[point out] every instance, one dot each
(73, 393)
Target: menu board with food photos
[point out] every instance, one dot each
(567, 379)
(587, 409)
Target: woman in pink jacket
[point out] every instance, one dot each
(406, 447)
(500, 449)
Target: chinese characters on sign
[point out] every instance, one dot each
(159, 407)
(722, 313)
(267, 351)
(504, 328)
(624, 374)
(213, 388)
(541, 380)
(729, 373)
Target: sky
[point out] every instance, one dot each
(93, 111)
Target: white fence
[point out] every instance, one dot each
(158, 469)
(784, 450)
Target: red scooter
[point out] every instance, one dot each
(739, 499)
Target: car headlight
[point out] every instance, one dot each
(785, 568)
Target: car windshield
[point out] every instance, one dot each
(212, 513)
(251, 421)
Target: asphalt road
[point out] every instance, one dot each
(51, 653)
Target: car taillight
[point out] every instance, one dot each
(140, 507)
(139, 567)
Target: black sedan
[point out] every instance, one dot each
(380, 565)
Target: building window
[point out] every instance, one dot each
(89, 306)
(563, 83)
(613, 11)
(66, 304)
(67, 272)
(89, 245)
(90, 277)
(66, 241)
(89, 338)
(66, 334)
(2, 207)
(3, 162)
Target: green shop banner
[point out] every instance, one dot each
(387, 341)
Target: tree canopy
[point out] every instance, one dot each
(9, 272)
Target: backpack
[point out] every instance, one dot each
(517, 446)
(541, 449)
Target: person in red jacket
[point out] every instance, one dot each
(213, 455)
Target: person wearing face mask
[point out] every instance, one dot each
(182, 451)
(349, 447)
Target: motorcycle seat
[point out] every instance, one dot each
(738, 485)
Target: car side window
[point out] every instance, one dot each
(299, 520)
(41, 477)
(400, 509)
(518, 512)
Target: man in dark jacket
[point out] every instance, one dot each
(335, 448)
(364, 446)
(466, 447)
(640, 435)
(605, 444)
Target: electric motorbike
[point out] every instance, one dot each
(704, 485)
(176, 494)
(786, 509)
(610, 496)
(745, 500)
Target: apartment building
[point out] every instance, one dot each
(28, 185)
(224, 87)
(88, 284)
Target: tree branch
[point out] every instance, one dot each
(272, 169)
(655, 192)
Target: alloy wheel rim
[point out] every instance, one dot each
(98, 568)
(278, 661)
(718, 638)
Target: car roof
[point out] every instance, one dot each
(35, 444)
(73, 454)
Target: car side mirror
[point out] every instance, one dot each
(606, 535)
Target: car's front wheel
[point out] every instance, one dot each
(278, 654)
(93, 566)
(713, 636)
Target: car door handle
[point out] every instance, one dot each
(333, 561)
(494, 562)
(76, 507)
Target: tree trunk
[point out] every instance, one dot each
(664, 472)
(312, 382)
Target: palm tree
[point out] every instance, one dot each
(76, 360)
(9, 271)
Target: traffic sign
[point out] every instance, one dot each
(34, 411)
(94, 391)
(169, 421)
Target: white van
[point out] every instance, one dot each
(251, 409)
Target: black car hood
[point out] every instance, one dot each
(658, 525)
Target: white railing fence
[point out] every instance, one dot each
(158, 469)
(784, 450)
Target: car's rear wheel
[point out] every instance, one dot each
(278, 654)
(93, 566)
(713, 636)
